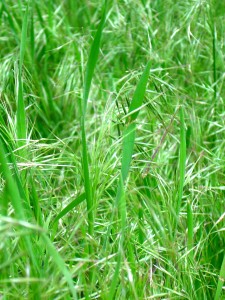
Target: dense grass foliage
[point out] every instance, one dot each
(112, 138)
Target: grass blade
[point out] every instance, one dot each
(92, 60)
(127, 152)
(220, 281)
(69, 207)
(182, 159)
(138, 96)
(182, 154)
(21, 116)
(190, 229)
(60, 263)
(14, 195)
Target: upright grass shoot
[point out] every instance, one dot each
(21, 116)
(127, 152)
(92, 60)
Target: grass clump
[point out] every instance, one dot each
(112, 150)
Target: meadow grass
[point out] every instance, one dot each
(112, 149)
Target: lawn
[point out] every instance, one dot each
(112, 139)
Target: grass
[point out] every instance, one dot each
(112, 150)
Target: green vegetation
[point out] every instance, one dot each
(112, 138)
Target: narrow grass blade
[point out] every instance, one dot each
(87, 183)
(35, 202)
(21, 117)
(116, 277)
(190, 229)
(220, 281)
(32, 36)
(69, 207)
(23, 38)
(60, 263)
(10, 20)
(17, 204)
(182, 160)
(92, 60)
(14, 195)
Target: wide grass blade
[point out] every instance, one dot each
(92, 60)
(127, 152)
(139, 94)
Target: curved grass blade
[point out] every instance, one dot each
(69, 207)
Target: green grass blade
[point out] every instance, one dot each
(14, 195)
(92, 60)
(182, 159)
(127, 152)
(190, 229)
(69, 207)
(60, 263)
(10, 20)
(87, 183)
(21, 116)
(220, 281)
(23, 39)
(127, 149)
(138, 96)
(17, 204)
